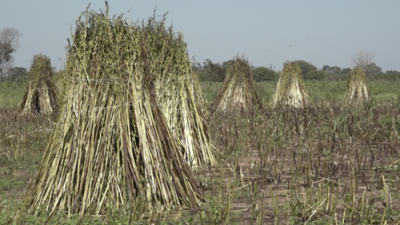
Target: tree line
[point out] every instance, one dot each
(216, 72)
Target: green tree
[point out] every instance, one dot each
(374, 68)
(212, 71)
(263, 74)
(345, 70)
(306, 68)
(226, 64)
(331, 69)
(16, 72)
(310, 72)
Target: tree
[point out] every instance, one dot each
(375, 68)
(226, 64)
(331, 69)
(345, 70)
(310, 72)
(9, 42)
(196, 67)
(306, 68)
(263, 73)
(15, 72)
(326, 68)
(214, 71)
(366, 61)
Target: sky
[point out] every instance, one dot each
(268, 33)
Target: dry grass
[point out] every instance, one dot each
(320, 166)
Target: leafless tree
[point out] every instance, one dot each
(366, 61)
(9, 42)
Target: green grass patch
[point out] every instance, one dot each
(11, 93)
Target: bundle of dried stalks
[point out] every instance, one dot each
(112, 144)
(171, 67)
(198, 95)
(238, 92)
(40, 95)
(290, 90)
(357, 88)
(60, 82)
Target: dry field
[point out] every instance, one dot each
(323, 165)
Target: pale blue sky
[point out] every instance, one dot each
(268, 32)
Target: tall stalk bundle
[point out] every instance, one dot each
(176, 96)
(357, 88)
(238, 91)
(111, 144)
(40, 95)
(290, 90)
(60, 82)
(198, 95)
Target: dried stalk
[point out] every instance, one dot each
(112, 143)
(290, 90)
(238, 92)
